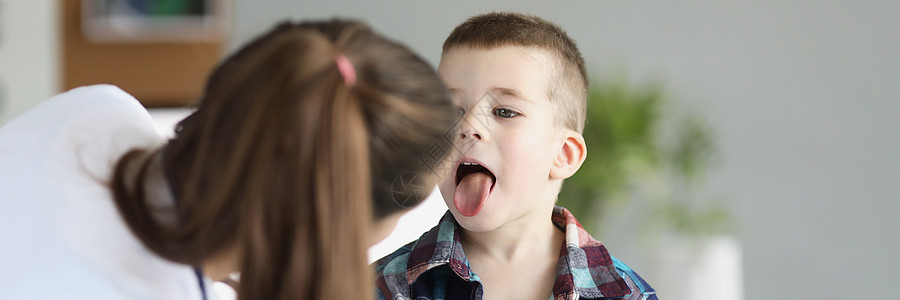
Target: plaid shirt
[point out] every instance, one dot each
(435, 267)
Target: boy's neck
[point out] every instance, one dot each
(522, 239)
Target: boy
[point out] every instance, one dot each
(521, 86)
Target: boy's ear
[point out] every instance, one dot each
(570, 157)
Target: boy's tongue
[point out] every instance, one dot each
(472, 192)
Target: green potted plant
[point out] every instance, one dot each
(642, 178)
(640, 148)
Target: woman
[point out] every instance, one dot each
(283, 174)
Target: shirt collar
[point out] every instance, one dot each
(585, 266)
(439, 246)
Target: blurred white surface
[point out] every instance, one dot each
(700, 269)
(167, 118)
(224, 291)
(411, 225)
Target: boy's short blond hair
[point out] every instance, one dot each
(567, 87)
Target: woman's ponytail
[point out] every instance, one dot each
(289, 157)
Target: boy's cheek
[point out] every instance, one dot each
(446, 190)
(443, 172)
(445, 185)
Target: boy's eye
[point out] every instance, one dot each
(505, 113)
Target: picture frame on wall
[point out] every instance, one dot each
(129, 21)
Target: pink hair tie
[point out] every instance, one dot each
(346, 69)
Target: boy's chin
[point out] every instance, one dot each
(482, 222)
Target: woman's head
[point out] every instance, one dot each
(287, 163)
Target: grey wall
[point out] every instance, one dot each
(803, 98)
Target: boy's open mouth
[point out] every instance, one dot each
(474, 183)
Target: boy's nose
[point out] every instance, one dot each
(472, 131)
(475, 125)
(469, 133)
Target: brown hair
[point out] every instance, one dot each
(287, 164)
(567, 87)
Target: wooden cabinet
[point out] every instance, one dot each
(159, 74)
